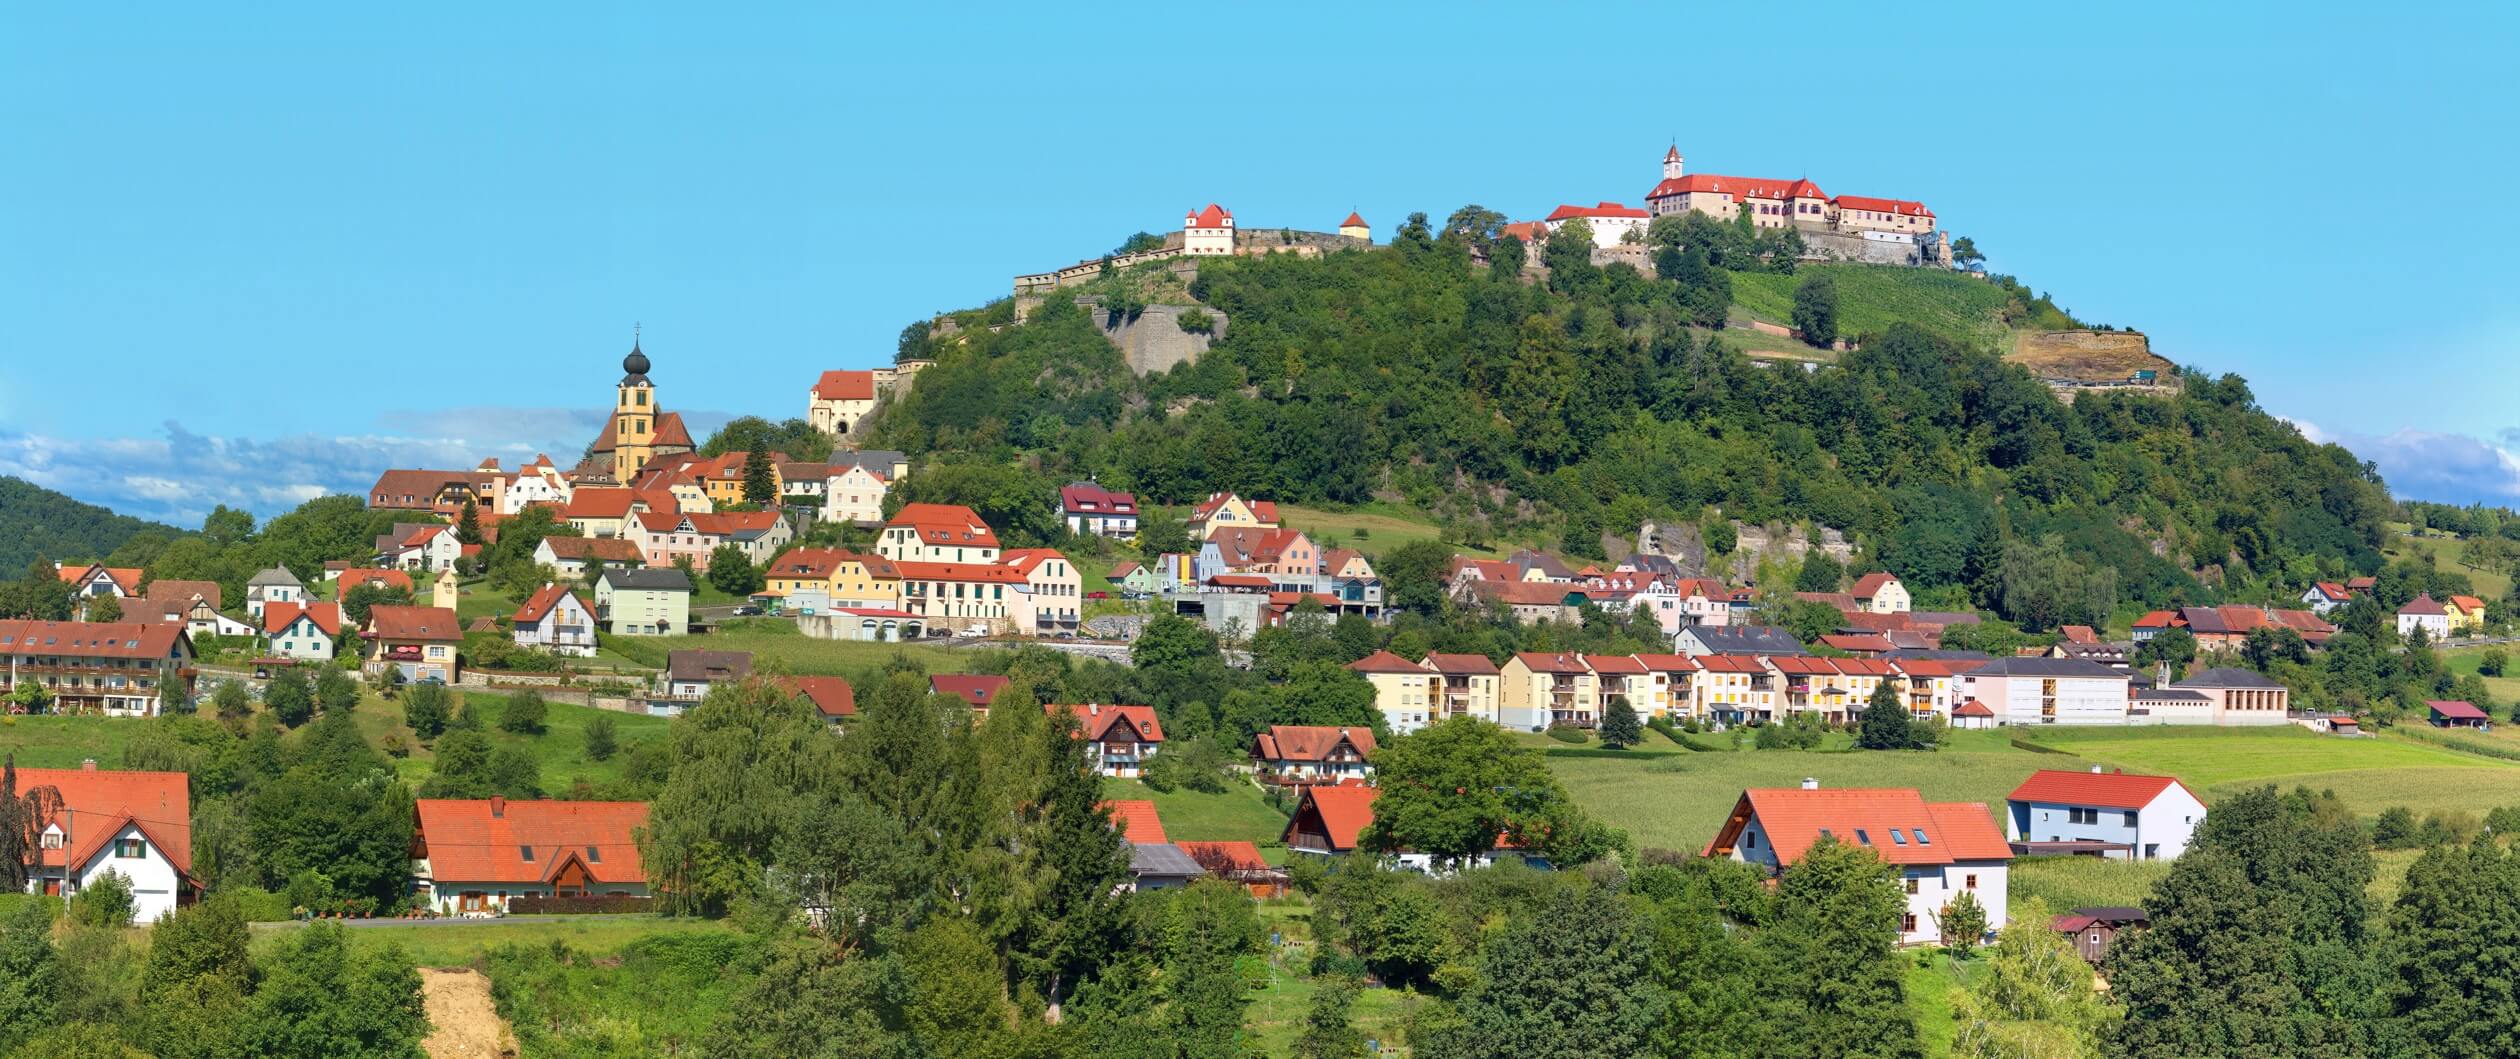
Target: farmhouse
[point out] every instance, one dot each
(2106, 814)
(1310, 753)
(135, 824)
(1123, 737)
(1940, 849)
(555, 620)
(476, 855)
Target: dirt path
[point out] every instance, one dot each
(463, 1022)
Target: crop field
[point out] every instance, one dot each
(1872, 297)
(1385, 526)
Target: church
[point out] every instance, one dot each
(640, 430)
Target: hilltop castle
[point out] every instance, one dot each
(1843, 228)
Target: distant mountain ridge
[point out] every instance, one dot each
(39, 523)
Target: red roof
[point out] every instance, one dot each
(1137, 821)
(2079, 634)
(1925, 832)
(832, 695)
(1214, 216)
(1463, 664)
(2467, 603)
(1086, 497)
(2112, 790)
(1858, 642)
(2422, 605)
(544, 599)
(1261, 510)
(101, 801)
(608, 549)
(1973, 708)
(670, 432)
(978, 689)
(1898, 207)
(1354, 221)
(1309, 742)
(1737, 188)
(1668, 663)
(1098, 720)
(1343, 809)
(414, 623)
(1226, 856)
(1527, 231)
(845, 386)
(1870, 585)
(1731, 664)
(1240, 580)
(939, 524)
(2159, 619)
(2333, 592)
(1620, 664)
(277, 617)
(493, 840)
(1386, 662)
(1545, 662)
(2456, 710)
(356, 576)
(93, 639)
(126, 578)
(1606, 209)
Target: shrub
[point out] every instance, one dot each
(258, 905)
(1569, 734)
(104, 903)
(601, 738)
(524, 714)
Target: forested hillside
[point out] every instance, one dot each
(1584, 405)
(36, 522)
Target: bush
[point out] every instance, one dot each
(602, 740)
(258, 905)
(524, 714)
(424, 709)
(104, 903)
(1569, 734)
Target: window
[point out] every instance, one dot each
(51, 840)
(130, 848)
(1920, 837)
(594, 856)
(1863, 837)
(526, 852)
(1907, 923)
(1911, 885)
(1897, 839)
(2082, 816)
(1970, 882)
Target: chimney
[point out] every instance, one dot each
(498, 806)
(1811, 783)
(88, 765)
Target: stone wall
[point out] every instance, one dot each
(1154, 341)
(1929, 249)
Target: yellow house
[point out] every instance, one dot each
(1465, 686)
(1734, 688)
(724, 477)
(1669, 686)
(2467, 614)
(824, 578)
(1541, 689)
(1404, 691)
(1228, 511)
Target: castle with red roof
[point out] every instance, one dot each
(1798, 204)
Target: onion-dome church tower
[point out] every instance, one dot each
(640, 430)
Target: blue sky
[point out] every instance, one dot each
(257, 253)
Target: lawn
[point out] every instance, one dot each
(1242, 813)
(2505, 689)
(1385, 525)
(1872, 297)
(775, 643)
(461, 944)
(1278, 1010)
(62, 742)
(2369, 774)
(2445, 552)
(1670, 798)
(1931, 978)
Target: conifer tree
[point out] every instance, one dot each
(1837, 989)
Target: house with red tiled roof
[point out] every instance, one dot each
(1465, 685)
(306, 632)
(2467, 614)
(1330, 818)
(1354, 227)
(1051, 601)
(555, 619)
(1123, 737)
(937, 533)
(570, 557)
(474, 855)
(1973, 714)
(1228, 511)
(978, 690)
(360, 575)
(91, 821)
(1136, 820)
(2426, 613)
(1939, 850)
(2325, 596)
(1094, 511)
(1880, 592)
(832, 697)
(118, 668)
(97, 579)
(1403, 690)
(840, 400)
(1668, 686)
(2456, 713)
(1538, 690)
(417, 642)
(664, 536)
(1611, 223)
(1798, 204)
(1207, 232)
(2106, 814)
(1312, 753)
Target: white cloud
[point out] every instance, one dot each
(2425, 465)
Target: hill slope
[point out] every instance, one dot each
(38, 523)
(1581, 408)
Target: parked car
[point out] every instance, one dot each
(1098, 595)
(747, 611)
(976, 630)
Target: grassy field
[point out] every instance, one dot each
(2445, 553)
(2369, 774)
(1872, 297)
(2506, 689)
(62, 742)
(1239, 814)
(1277, 1012)
(775, 644)
(1931, 979)
(444, 944)
(1386, 526)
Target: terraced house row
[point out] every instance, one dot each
(1537, 690)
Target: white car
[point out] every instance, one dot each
(976, 630)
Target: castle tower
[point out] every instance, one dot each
(634, 416)
(1354, 227)
(1671, 163)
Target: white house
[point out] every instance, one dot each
(309, 632)
(2111, 814)
(2325, 596)
(2426, 613)
(538, 482)
(1880, 592)
(570, 556)
(1208, 231)
(1940, 849)
(1611, 223)
(555, 620)
(2030, 691)
(854, 493)
(135, 824)
(476, 855)
(1122, 737)
(275, 585)
(1093, 511)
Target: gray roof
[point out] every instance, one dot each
(880, 461)
(2169, 695)
(1162, 861)
(2047, 667)
(2228, 677)
(1747, 639)
(706, 666)
(1945, 617)
(665, 579)
(1939, 655)
(275, 576)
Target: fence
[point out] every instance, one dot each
(590, 905)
